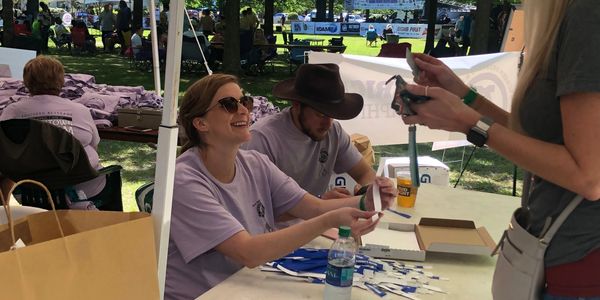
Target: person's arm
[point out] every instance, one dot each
(435, 73)
(253, 251)
(574, 165)
(362, 172)
(311, 206)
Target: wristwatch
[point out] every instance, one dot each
(478, 134)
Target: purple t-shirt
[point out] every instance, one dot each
(207, 212)
(70, 116)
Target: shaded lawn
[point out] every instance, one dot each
(487, 171)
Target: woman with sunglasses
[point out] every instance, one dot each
(226, 200)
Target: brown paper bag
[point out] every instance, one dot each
(96, 255)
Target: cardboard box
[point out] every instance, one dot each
(363, 144)
(139, 118)
(411, 242)
(431, 170)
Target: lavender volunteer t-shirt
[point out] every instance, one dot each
(206, 212)
(309, 162)
(70, 116)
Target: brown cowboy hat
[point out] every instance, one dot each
(320, 87)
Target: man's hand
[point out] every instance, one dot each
(336, 193)
(387, 192)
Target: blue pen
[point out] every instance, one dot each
(405, 215)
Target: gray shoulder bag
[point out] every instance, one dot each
(519, 272)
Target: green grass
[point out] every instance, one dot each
(487, 171)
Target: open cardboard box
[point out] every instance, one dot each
(411, 241)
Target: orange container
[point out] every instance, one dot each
(407, 193)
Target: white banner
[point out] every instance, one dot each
(416, 31)
(493, 75)
(303, 27)
(327, 28)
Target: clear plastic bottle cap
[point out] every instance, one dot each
(344, 231)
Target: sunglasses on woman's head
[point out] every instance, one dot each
(230, 104)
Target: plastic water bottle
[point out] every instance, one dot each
(340, 267)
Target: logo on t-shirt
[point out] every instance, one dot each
(260, 211)
(64, 122)
(323, 155)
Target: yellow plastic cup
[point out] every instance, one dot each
(407, 193)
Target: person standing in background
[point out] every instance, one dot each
(45, 19)
(207, 23)
(123, 25)
(107, 26)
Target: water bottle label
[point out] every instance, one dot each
(339, 276)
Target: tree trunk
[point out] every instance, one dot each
(268, 26)
(479, 44)
(231, 56)
(330, 8)
(431, 6)
(7, 16)
(33, 7)
(321, 6)
(138, 14)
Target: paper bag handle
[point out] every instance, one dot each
(7, 207)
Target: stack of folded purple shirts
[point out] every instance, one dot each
(103, 100)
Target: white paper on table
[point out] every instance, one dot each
(395, 239)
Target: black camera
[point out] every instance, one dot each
(403, 108)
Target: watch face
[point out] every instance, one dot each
(476, 137)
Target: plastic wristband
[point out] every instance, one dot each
(361, 203)
(470, 97)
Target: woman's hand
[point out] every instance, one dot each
(387, 192)
(359, 221)
(435, 73)
(444, 111)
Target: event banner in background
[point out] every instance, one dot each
(417, 31)
(384, 4)
(493, 75)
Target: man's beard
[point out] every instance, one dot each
(306, 131)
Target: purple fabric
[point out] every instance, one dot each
(83, 89)
(207, 212)
(262, 108)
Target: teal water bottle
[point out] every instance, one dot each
(340, 267)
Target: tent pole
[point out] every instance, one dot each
(155, 57)
(167, 142)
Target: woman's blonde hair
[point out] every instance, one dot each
(196, 101)
(542, 22)
(44, 75)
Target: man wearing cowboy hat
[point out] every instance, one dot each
(304, 140)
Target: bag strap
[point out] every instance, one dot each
(560, 219)
(5, 203)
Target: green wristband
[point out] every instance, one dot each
(470, 97)
(361, 203)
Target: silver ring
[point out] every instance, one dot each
(426, 88)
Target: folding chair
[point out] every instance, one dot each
(297, 55)
(144, 196)
(40, 151)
